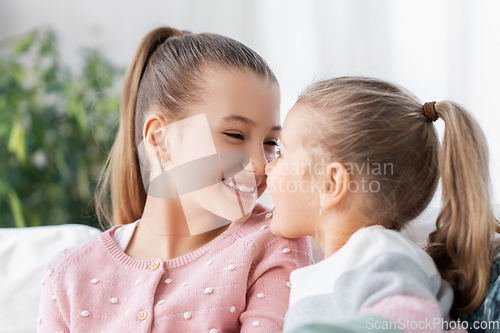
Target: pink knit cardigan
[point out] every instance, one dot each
(237, 282)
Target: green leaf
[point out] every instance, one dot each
(48, 44)
(14, 203)
(16, 143)
(18, 73)
(53, 117)
(4, 127)
(15, 206)
(34, 219)
(62, 167)
(77, 109)
(25, 43)
(83, 180)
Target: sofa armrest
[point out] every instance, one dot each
(24, 252)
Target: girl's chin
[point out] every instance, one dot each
(275, 231)
(282, 230)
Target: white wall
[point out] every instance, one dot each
(439, 49)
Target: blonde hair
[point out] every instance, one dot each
(360, 119)
(166, 74)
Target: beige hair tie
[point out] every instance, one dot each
(430, 111)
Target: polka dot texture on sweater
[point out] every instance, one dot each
(203, 291)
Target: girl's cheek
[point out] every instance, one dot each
(270, 167)
(271, 183)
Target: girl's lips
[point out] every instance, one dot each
(257, 183)
(241, 181)
(242, 195)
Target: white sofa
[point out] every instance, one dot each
(23, 255)
(25, 252)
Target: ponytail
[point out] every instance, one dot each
(164, 77)
(462, 245)
(360, 119)
(122, 174)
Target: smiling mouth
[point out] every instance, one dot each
(239, 187)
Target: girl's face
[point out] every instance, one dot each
(290, 183)
(242, 113)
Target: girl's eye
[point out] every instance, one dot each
(235, 135)
(276, 146)
(272, 143)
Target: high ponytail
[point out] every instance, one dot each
(462, 245)
(164, 76)
(122, 174)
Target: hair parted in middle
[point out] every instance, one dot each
(166, 74)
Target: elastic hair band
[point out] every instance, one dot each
(430, 111)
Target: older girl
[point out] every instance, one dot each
(151, 272)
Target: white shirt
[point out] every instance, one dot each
(123, 234)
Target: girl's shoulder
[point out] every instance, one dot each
(79, 252)
(373, 241)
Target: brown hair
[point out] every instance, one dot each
(166, 74)
(360, 121)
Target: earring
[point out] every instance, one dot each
(162, 164)
(320, 212)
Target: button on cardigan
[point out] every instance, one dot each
(239, 281)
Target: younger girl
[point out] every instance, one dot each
(189, 100)
(359, 159)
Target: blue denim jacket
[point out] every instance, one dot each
(488, 313)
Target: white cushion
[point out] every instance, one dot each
(23, 256)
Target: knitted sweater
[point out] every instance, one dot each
(377, 272)
(237, 282)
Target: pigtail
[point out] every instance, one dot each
(121, 179)
(462, 245)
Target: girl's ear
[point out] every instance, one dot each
(155, 137)
(336, 185)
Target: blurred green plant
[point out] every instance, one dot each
(56, 128)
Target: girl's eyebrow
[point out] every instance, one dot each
(246, 121)
(241, 119)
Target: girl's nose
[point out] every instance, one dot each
(258, 163)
